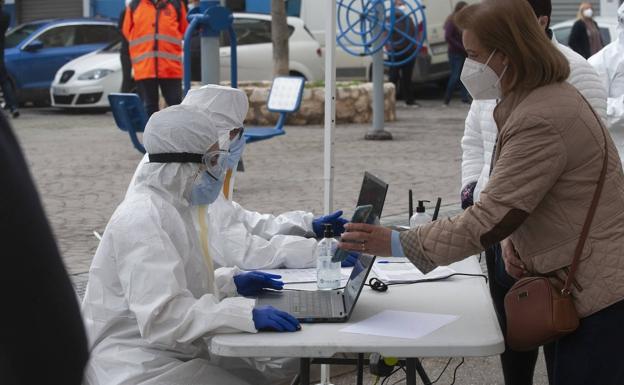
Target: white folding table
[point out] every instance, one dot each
(475, 333)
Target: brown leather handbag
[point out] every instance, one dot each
(537, 311)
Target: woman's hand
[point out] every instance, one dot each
(369, 239)
(513, 264)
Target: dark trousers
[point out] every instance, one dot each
(127, 83)
(7, 88)
(518, 367)
(593, 353)
(456, 61)
(148, 91)
(401, 76)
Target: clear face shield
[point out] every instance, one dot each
(215, 159)
(208, 183)
(237, 146)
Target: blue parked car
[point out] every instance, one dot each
(34, 51)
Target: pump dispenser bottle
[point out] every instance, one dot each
(327, 272)
(420, 217)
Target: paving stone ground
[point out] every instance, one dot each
(82, 164)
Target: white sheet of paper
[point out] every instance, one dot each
(303, 275)
(400, 324)
(396, 271)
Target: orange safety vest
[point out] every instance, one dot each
(154, 33)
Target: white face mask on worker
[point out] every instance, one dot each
(588, 13)
(480, 80)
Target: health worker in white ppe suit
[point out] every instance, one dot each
(609, 62)
(251, 240)
(154, 299)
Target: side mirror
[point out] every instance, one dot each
(34, 46)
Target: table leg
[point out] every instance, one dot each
(360, 369)
(410, 371)
(304, 371)
(421, 372)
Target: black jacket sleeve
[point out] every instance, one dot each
(42, 338)
(578, 40)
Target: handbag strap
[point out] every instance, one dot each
(590, 214)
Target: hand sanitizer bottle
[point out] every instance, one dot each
(327, 272)
(420, 217)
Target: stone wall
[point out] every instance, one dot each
(353, 104)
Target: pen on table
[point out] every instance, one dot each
(391, 262)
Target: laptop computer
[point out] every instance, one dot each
(373, 192)
(322, 305)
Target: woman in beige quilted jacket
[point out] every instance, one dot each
(546, 165)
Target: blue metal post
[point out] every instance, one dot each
(187, 53)
(210, 61)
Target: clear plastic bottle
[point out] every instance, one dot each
(420, 217)
(327, 272)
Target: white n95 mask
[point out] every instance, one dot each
(588, 13)
(480, 80)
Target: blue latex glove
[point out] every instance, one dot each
(334, 218)
(270, 318)
(252, 283)
(350, 260)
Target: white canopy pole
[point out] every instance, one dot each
(330, 105)
(330, 124)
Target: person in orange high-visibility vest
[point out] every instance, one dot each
(154, 30)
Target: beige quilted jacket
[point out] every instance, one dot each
(548, 158)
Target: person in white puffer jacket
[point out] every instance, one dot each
(609, 62)
(478, 142)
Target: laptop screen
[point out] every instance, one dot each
(357, 280)
(373, 192)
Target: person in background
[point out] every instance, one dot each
(42, 337)
(547, 162)
(154, 30)
(456, 55)
(5, 83)
(585, 35)
(609, 62)
(127, 83)
(401, 75)
(477, 145)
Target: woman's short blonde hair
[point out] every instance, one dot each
(582, 7)
(510, 27)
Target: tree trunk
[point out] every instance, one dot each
(279, 36)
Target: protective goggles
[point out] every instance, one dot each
(213, 161)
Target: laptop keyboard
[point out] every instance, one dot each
(312, 303)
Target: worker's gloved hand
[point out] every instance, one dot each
(270, 318)
(334, 218)
(252, 283)
(350, 260)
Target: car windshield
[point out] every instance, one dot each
(19, 33)
(113, 47)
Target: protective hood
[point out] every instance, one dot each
(227, 107)
(175, 129)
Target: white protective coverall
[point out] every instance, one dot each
(609, 62)
(152, 300)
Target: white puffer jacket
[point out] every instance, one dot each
(480, 130)
(609, 62)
